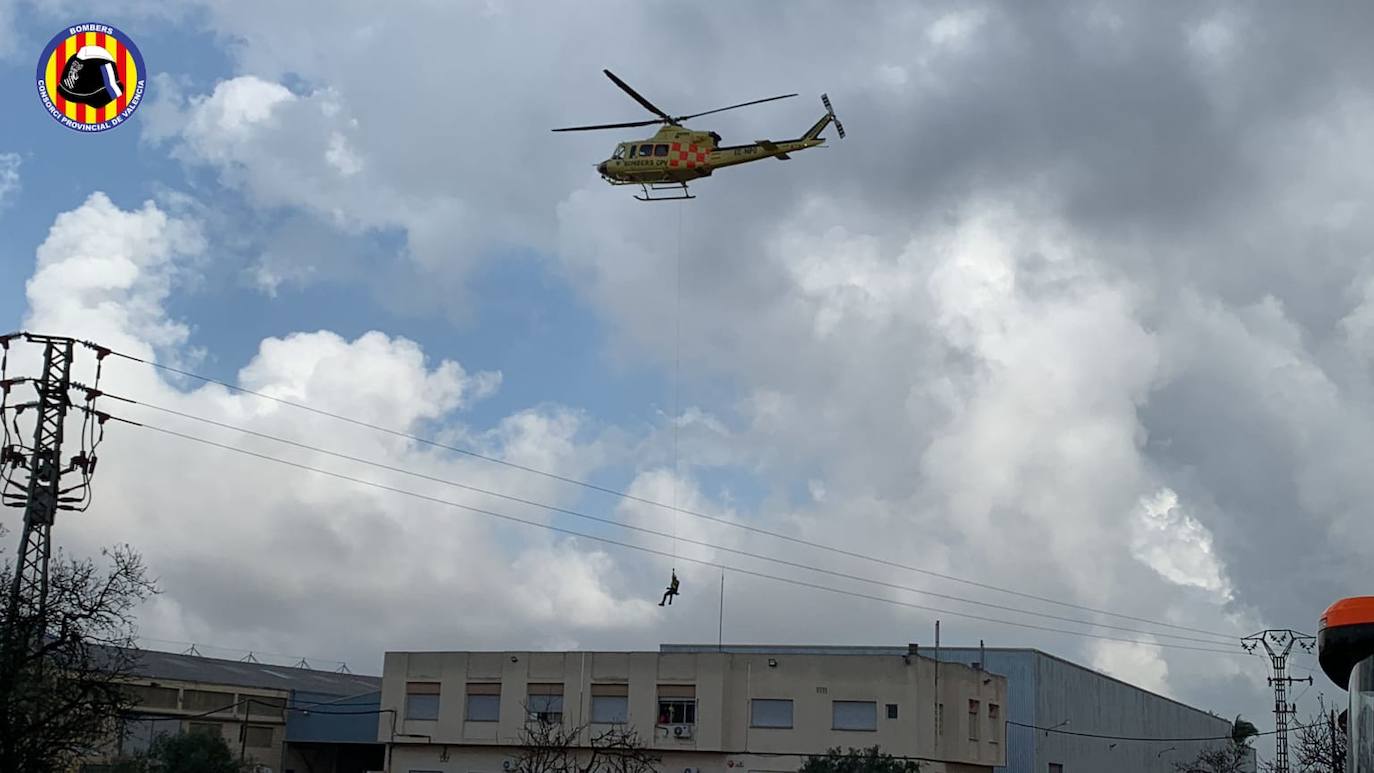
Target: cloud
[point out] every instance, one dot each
(1138, 664)
(1068, 261)
(9, 178)
(242, 545)
(1175, 545)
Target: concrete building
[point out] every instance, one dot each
(702, 710)
(284, 718)
(1074, 703)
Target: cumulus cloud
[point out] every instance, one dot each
(242, 545)
(1175, 545)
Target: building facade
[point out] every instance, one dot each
(700, 709)
(282, 718)
(1073, 704)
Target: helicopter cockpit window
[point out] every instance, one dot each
(660, 150)
(646, 150)
(619, 152)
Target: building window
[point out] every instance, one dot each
(484, 702)
(995, 719)
(138, 735)
(545, 704)
(973, 720)
(677, 704)
(422, 700)
(258, 736)
(147, 696)
(206, 728)
(769, 712)
(610, 704)
(891, 711)
(939, 719)
(854, 715)
(261, 706)
(207, 700)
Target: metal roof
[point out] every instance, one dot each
(154, 665)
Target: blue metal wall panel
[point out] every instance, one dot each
(1098, 704)
(325, 718)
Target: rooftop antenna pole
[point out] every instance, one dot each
(936, 691)
(720, 625)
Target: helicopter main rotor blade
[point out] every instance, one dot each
(641, 100)
(732, 107)
(625, 125)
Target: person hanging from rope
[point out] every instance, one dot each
(671, 592)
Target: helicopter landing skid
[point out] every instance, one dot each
(648, 189)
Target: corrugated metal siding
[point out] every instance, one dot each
(335, 719)
(1093, 703)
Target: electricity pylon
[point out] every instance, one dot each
(1278, 643)
(35, 477)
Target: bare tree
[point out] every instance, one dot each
(552, 747)
(63, 691)
(1229, 758)
(1321, 742)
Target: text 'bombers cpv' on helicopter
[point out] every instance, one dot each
(676, 155)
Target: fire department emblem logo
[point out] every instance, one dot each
(91, 77)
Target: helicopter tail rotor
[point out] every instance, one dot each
(839, 127)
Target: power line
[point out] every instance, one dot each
(666, 554)
(676, 538)
(1106, 737)
(654, 503)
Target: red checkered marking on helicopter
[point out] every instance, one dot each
(689, 157)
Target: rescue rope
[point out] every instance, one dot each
(677, 371)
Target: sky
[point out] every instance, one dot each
(1081, 307)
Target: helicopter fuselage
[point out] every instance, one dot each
(676, 155)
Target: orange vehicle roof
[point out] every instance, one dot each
(1351, 611)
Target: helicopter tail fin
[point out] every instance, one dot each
(815, 131)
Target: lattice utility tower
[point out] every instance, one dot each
(1279, 644)
(33, 475)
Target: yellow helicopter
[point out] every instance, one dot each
(676, 155)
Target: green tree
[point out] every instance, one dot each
(1243, 730)
(871, 760)
(193, 753)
